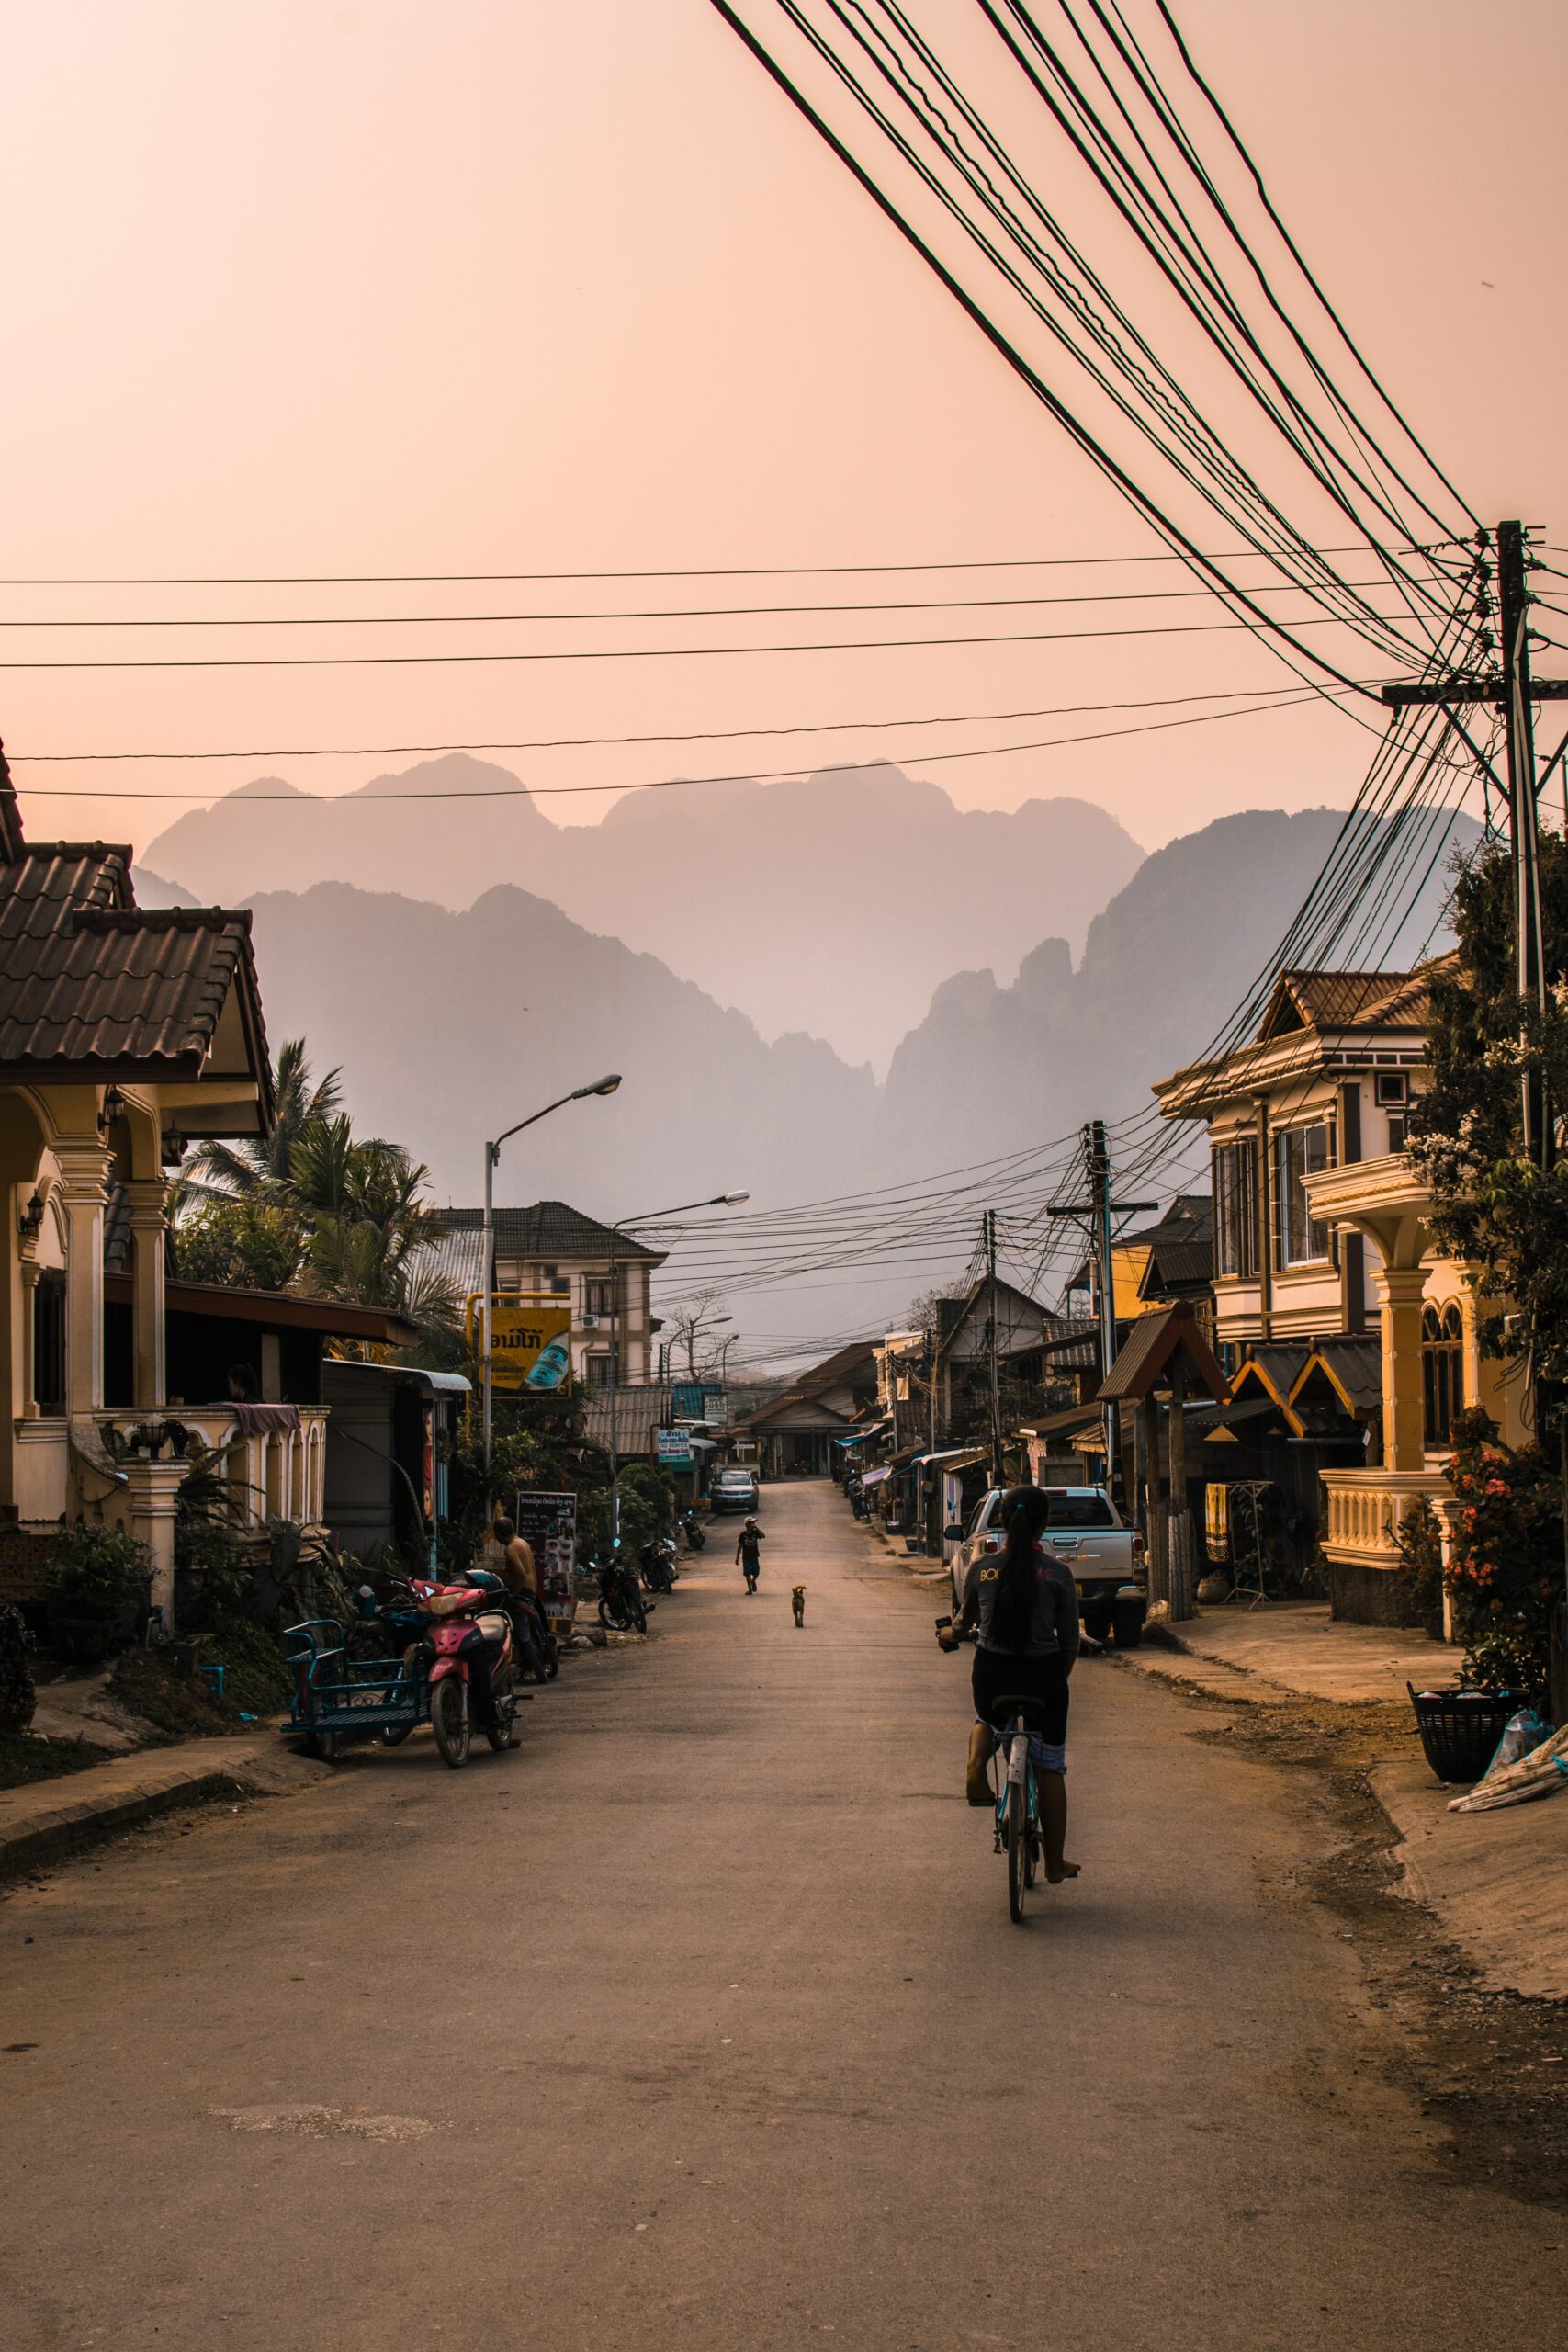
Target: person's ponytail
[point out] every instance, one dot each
(1026, 1511)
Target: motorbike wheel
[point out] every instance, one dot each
(638, 1613)
(503, 1734)
(613, 1617)
(449, 1721)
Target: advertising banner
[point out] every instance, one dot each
(547, 1525)
(674, 1449)
(699, 1401)
(529, 1342)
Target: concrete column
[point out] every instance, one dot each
(84, 1189)
(151, 1495)
(149, 1225)
(1400, 1290)
(25, 1361)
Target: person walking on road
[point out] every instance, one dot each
(1025, 1608)
(748, 1552)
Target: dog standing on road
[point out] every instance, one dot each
(797, 1602)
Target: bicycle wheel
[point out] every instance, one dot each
(1018, 1850)
(1033, 1848)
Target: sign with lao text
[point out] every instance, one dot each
(530, 1349)
(674, 1449)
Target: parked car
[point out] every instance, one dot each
(735, 1490)
(1086, 1529)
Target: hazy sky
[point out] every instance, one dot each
(508, 285)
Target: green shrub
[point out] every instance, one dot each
(95, 1590)
(255, 1678)
(17, 1699)
(1506, 1559)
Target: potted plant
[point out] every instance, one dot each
(96, 1592)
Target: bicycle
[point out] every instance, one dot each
(1019, 1832)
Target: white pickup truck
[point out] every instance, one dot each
(1083, 1528)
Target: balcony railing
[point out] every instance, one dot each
(1365, 1509)
(270, 1474)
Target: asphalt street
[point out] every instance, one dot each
(699, 2022)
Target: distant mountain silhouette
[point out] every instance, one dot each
(451, 1026)
(1166, 963)
(832, 905)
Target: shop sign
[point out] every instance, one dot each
(547, 1525)
(674, 1449)
(529, 1343)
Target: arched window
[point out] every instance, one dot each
(1442, 1373)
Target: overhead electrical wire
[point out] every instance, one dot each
(644, 613)
(667, 652)
(711, 571)
(705, 735)
(914, 758)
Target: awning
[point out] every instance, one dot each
(859, 1438)
(874, 1477)
(1070, 1419)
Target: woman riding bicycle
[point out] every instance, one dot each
(1024, 1604)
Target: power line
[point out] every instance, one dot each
(715, 572)
(663, 784)
(681, 652)
(654, 613)
(708, 735)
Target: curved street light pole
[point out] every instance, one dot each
(654, 1216)
(487, 1248)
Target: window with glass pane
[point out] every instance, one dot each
(1300, 1152)
(1236, 1208)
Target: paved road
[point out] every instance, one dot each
(700, 2023)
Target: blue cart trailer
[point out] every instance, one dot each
(337, 1697)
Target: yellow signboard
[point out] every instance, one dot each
(529, 1341)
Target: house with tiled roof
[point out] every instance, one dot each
(1350, 1341)
(552, 1249)
(125, 1033)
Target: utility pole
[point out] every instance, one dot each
(1097, 1213)
(1514, 693)
(989, 1231)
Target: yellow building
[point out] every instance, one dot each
(1321, 1235)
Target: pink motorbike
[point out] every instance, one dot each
(469, 1667)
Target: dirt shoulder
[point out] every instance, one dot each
(1488, 2064)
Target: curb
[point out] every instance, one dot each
(39, 1832)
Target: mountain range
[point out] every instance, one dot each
(833, 904)
(450, 1026)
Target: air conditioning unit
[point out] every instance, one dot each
(589, 1322)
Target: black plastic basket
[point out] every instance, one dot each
(1460, 1729)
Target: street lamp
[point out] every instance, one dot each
(493, 1159)
(654, 1216)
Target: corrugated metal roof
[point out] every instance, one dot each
(1151, 1346)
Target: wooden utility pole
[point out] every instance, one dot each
(1514, 693)
(990, 1233)
(1097, 1213)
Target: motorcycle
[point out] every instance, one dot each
(656, 1565)
(621, 1605)
(468, 1654)
(693, 1530)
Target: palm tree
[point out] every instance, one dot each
(264, 1167)
(372, 1227)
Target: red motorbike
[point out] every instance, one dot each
(470, 1665)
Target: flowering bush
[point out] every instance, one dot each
(1505, 1563)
